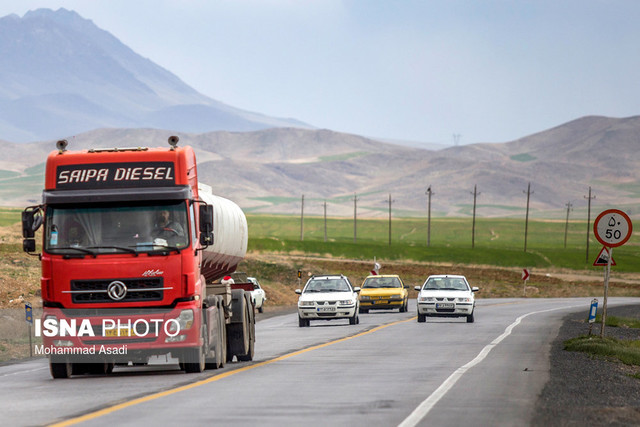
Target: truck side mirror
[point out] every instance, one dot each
(206, 225)
(206, 218)
(31, 221)
(29, 245)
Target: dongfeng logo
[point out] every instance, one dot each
(117, 290)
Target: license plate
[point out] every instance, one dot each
(445, 305)
(326, 309)
(123, 332)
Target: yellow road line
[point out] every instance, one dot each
(114, 408)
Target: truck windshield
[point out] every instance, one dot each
(101, 229)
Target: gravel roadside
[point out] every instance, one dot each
(585, 390)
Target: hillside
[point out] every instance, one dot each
(74, 77)
(268, 171)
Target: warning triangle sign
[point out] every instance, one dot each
(603, 258)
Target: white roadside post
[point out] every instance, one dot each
(612, 228)
(592, 314)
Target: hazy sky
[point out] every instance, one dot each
(490, 71)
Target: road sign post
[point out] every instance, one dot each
(612, 228)
(28, 316)
(525, 277)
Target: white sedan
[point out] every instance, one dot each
(446, 296)
(257, 294)
(327, 298)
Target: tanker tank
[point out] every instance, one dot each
(230, 236)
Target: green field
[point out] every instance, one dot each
(498, 242)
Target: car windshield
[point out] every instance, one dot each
(108, 229)
(327, 285)
(446, 284)
(381, 282)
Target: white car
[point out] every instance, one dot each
(327, 298)
(257, 294)
(446, 296)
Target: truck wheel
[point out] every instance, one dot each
(251, 323)
(223, 336)
(221, 342)
(195, 359)
(60, 369)
(241, 330)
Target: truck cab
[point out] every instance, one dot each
(129, 245)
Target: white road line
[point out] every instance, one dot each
(24, 372)
(425, 407)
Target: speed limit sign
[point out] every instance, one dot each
(612, 228)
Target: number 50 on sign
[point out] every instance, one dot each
(612, 228)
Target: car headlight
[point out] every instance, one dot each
(346, 302)
(426, 299)
(466, 299)
(395, 297)
(306, 303)
(365, 297)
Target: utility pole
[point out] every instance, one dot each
(429, 193)
(355, 217)
(325, 220)
(526, 222)
(302, 219)
(589, 198)
(390, 219)
(456, 139)
(566, 224)
(473, 226)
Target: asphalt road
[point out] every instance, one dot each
(388, 370)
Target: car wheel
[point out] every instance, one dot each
(260, 310)
(470, 318)
(421, 318)
(364, 310)
(302, 322)
(354, 320)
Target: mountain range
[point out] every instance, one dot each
(268, 171)
(63, 77)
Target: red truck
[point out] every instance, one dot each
(133, 251)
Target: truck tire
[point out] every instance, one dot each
(219, 351)
(195, 358)
(241, 330)
(60, 369)
(251, 322)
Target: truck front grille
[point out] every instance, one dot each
(96, 291)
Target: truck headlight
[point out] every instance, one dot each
(185, 320)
